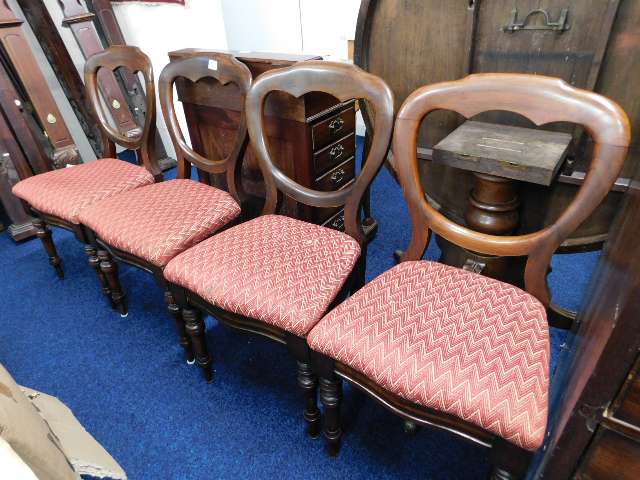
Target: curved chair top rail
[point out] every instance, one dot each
(344, 82)
(225, 69)
(135, 60)
(542, 100)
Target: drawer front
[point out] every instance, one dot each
(336, 222)
(626, 406)
(332, 155)
(338, 177)
(333, 128)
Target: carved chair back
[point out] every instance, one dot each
(136, 61)
(542, 100)
(225, 69)
(344, 82)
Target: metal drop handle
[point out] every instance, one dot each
(336, 125)
(337, 176)
(336, 152)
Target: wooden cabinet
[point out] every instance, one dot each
(594, 424)
(311, 138)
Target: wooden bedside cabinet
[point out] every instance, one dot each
(312, 138)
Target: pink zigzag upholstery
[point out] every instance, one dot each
(276, 269)
(65, 192)
(158, 222)
(450, 340)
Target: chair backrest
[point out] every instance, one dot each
(135, 60)
(225, 69)
(344, 82)
(542, 100)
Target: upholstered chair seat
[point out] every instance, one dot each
(276, 269)
(157, 222)
(66, 192)
(450, 340)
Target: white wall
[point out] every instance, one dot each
(264, 26)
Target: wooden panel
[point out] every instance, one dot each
(611, 455)
(626, 407)
(518, 153)
(334, 153)
(572, 55)
(339, 176)
(620, 70)
(598, 361)
(333, 128)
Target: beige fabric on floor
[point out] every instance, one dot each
(28, 434)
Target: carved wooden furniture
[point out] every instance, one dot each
(21, 155)
(33, 158)
(58, 197)
(444, 346)
(109, 31)
(149, 226)
(66, 72)
(17, 50)
(275, 275)
(593, 50)
(21, 227)
(80, 21)
(312, 138)
(595, 432)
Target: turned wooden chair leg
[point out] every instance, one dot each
(176, 313)
(194, 325)
(44, 234)
(331, 397)
(508, 461)
(308, 382)
(94, 262)
(110, 270)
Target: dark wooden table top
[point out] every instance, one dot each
(525, 154)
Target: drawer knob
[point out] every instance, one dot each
(336, 152)
(337, 176)
(336, 125)
(338, 222)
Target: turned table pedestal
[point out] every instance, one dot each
(500, 157)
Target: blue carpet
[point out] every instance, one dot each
(126, 382)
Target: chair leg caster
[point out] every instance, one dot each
(124, 315)
(191, 362)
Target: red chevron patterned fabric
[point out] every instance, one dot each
(159, 221)
(277, 269)
(65, 192)
(450, 340)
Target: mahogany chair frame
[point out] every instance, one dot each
(225, 69)
(542, 100)
(133, 58)
(344, 82)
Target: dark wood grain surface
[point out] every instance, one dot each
(518, 153)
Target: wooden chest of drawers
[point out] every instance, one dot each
(311, 138)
